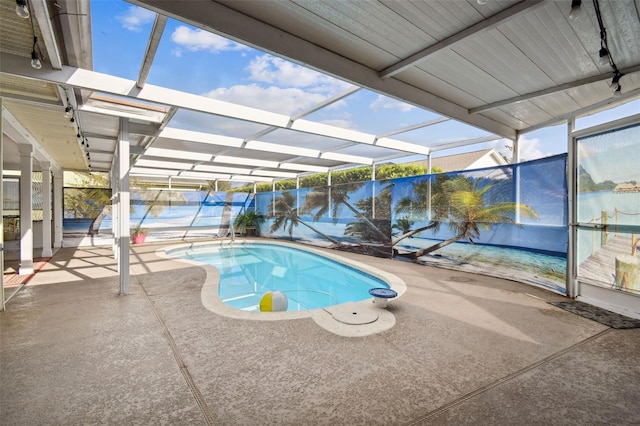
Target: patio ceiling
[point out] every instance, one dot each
(505, 67)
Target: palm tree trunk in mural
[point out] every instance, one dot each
(94, 227)
(286, 216)
(320, 197)
(225, 220)
(460, 203)
(413, 232)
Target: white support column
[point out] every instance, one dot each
(26, 209)
(123, 205)
(46, 209)
(515, 155)
(429, 187)
(329, 203)
(1, 210)
(58, 197)
(113, 177)
(373, 191)
(515, 159)
(572, 164)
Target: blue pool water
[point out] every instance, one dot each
(310, 281)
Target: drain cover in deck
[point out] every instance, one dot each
(353, 313)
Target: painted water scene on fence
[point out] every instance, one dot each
(609, 209)
(508, 221)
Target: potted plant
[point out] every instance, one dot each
(247, 223)
(138, 235)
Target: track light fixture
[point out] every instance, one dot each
(615, 83)
(68, 112)
(604, 56)
(35, 59)
(73, 120)
(575, 9)
(21, 9)
(482, 2)
(605, 53)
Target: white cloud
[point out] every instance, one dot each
(274, 99)
(277, 71)
(383, 102)
(135, 18)
(196, 40)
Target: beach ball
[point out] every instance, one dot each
(274, 301)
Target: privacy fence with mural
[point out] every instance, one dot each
(508, 221)
(163, 213)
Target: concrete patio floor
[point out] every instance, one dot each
(465, 349)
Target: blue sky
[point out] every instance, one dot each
(195, 61)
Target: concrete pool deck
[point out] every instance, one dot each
(465, 349)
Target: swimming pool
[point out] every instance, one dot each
(309, 280)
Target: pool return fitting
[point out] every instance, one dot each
(381, 296)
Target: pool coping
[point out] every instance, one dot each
(323, 317)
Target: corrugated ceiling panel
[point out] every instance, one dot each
(499, 57)
(465, 76)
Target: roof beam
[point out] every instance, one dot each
(551, 90)
(591, 109)
(485, 24)
(152, 48)
(41, 13)
(227, 22)
(95, 81)
(465, 142)
(414, 127)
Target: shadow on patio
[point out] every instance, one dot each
(466, 349)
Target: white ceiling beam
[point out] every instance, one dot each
(551, 90)
(41, 12)
(592, 109)
(152, 47)
(91, 80)
(413, 127)
(465, 142)
(200, 137)
(223, 20)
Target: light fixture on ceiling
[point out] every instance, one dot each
(35, 59)
(605, 53)
(21, 9)
(604, 56)
(68, 112)
(575, 9)
(482, 2)
(615, 83)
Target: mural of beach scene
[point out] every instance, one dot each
(164, 214)
(508, 221)
(608, 209)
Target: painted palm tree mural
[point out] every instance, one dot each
(461, 204)
(466, 206)
(285, 215)
(332, 198)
